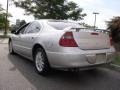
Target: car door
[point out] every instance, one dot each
(28, 38)
(17, 38)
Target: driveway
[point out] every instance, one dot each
(17, 73)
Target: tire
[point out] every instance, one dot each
(11, 48)
(41, 62)
(92, 70)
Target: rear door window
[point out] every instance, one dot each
(33, 28)
(22, 29)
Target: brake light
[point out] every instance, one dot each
(94, 33)
(67, 40)
(111, 43)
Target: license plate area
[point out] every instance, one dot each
(101, 56)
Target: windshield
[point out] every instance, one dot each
(63, 25)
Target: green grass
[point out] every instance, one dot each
(116, 59)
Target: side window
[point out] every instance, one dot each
(21, 30)
(33, 28)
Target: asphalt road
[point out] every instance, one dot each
(17, 73)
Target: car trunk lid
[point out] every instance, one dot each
(91, 40)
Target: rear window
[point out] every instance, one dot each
(63, 25)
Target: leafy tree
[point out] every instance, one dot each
(87, 25)
(3, 18)
(51, 9)
(2, 21)
(14, 27)
(22, 22)
(114, 27)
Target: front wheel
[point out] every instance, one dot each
(11, 48)
(41, 62)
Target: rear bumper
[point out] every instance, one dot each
(70, 60)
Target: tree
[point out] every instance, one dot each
(2, 21)
(87, 25)
(114, 26)
(22, 22)
(16, 26)
(51, 9)
(3, 18)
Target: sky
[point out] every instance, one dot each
(107, 9)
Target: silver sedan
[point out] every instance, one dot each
(61, 44)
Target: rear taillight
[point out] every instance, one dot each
(111, 43)
(67, 40)
(94, 33)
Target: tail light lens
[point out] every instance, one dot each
(67, 40)
(94, 33)
(111, 43)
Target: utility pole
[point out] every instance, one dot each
(6, 21)
(95, 13)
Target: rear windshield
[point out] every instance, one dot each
(63, 25)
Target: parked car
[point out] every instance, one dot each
(61, 45)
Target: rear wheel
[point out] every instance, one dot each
(41, 62)
(11, 48)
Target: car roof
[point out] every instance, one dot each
(54, 20)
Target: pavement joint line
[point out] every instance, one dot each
(115, 65)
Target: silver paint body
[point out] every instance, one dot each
(58, 56)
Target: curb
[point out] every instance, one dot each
(3, 43)
(2, 36)
(115, 65)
